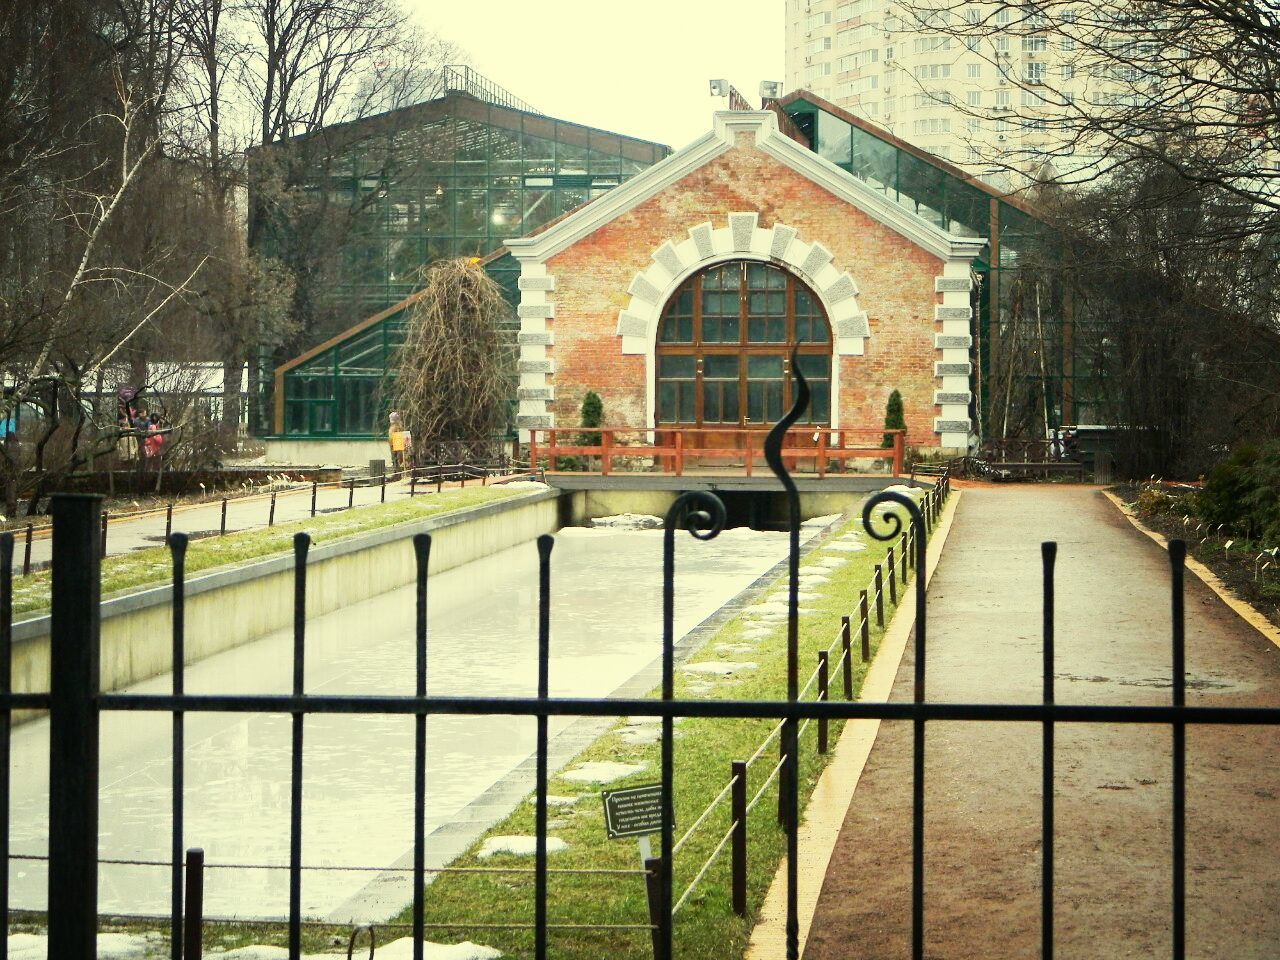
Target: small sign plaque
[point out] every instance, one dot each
(633, 811)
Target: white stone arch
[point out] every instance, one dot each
(674, 262)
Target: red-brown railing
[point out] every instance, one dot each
(671, 448)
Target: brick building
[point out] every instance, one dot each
(679, 296)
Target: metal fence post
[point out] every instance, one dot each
(351, 494)
(222, 524)
(891, 566)
(314, 487)
(823, 695)
(271, 515)
(102, 548)
(738, 812)
(879, 596)
(846, 651)
(73, 727)
(26, 551)
(653, 893)
(168, 522)
(193, 913)
(903, 559)
(865, 613)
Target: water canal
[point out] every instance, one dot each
(358, 791)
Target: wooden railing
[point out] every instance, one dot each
(670, 449)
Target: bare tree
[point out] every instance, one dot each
(1179, 351)
(1190, 85)
(452, 376)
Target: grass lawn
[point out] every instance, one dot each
(152, 566)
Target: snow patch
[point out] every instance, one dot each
(111, 946)
(605, 771)
(402, 949)
(778, 608)
(804, 596)
(629, 521)
(822, 521)
(519, 846)
(830, 562)
(640, 736)
(735, 647)
(913, 492)
(718, 668)
(554, 801)
(521, 485)
(843, 547)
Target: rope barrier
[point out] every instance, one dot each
(705, 813)
(703, 872)
(765, 786)
(765, 745)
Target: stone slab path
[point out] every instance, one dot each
(1112, 848)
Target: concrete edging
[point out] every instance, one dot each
(824, 815)
(1247, 611)
(237, 605)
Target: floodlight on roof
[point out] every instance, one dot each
(719, 88)
(770, 89)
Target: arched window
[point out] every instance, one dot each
(724, 348)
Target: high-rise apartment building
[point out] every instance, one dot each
(982, 85)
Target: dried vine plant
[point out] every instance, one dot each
(453, 375)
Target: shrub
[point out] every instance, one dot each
(1154, 498)
(592, 416)
(894, 418)
(1243, 492)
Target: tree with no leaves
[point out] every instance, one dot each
(453, 374)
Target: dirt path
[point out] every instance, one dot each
(1113, 855)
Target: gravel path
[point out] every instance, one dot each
(1113, 855)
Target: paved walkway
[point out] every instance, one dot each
(1113, 858)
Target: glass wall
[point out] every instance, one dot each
(454, 177)
(1021, 319)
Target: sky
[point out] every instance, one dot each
(639, 68)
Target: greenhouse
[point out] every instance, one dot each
(510, 171)
(469, 170)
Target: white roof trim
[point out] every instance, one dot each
(769, 139)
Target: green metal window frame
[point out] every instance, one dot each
(455, 177)
(951, 200)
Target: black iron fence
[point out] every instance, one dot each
(75, 705)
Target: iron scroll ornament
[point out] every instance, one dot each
(892, 528)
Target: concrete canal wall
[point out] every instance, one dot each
(233, 606)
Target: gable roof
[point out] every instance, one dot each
(719, 140)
